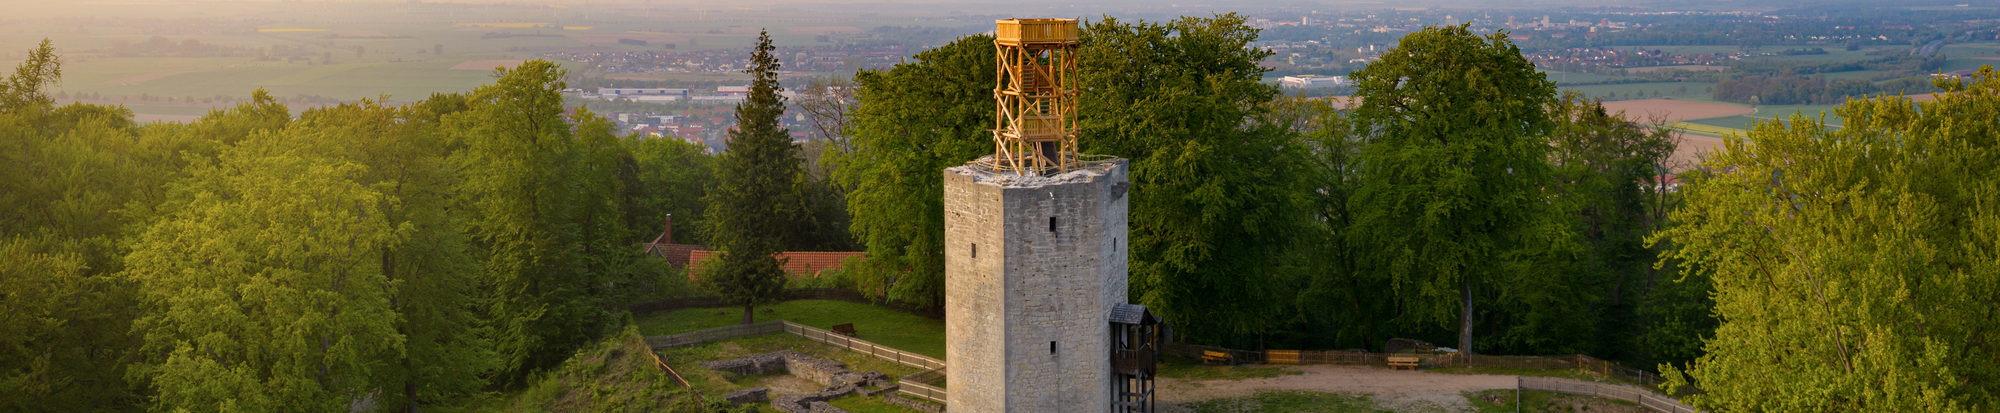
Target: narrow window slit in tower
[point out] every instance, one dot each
(975, 250)
(1052, 347)
(1052, 224)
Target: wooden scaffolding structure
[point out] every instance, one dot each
(1034, 130)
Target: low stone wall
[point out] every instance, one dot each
(912, 404)
(746, 396)
(758, 364)
(834, 375)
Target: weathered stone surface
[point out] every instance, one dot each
(751, 395)
(1033, 267)
(839, 381)
(791, 404)
(823, 407)
(912, 404)
(818, 370)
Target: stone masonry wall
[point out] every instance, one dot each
(1026, 319)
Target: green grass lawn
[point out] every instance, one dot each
(1289, 401)
(881, 325)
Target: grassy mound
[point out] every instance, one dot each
(615, 375)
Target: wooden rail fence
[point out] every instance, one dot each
(1648, 399)
(925, 385)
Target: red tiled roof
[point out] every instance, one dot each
(675, 254)
(797, 263)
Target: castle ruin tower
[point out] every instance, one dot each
(1035, 251)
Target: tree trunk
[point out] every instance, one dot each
(409, 386)
(1465, 315)
(747, 312)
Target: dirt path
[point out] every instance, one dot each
(1400, 390)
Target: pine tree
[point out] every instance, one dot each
(754, 207)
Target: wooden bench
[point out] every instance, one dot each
(1217, 357)
(1399, 362)
(845, 329)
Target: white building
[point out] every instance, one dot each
(1312, 81)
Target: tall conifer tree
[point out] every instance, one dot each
(755, 205)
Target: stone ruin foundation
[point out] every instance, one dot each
(834, 375)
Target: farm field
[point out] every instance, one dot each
(1571, 77)
(1655, 90)
(1732, 122)
(1668, 110)
(1706, 129)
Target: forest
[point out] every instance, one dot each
(423, 254)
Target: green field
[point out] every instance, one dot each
(877, 324)
(1706, 130)
(1731, 122)
(1657, 90)
(1786, 112)
(1569, 77)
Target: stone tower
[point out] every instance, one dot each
(1033, 267)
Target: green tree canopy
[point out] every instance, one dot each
(1855, 268)
(910, 122)
(544, 194)
(1453, 172)
(262, 288)
(1216, 189)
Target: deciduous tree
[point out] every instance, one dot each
(910, 122)
(1216, 188)
(1455, 170)
(1855, 268)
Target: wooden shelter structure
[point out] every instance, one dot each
(1034, 129)
(1135, 355)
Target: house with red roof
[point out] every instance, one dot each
(799, 264)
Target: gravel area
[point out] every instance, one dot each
(1401, 390)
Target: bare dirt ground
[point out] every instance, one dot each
(485, 64)
(1688, 154)
(1400, 390)
(1666, 110)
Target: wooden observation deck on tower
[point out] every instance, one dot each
(1034, 129)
